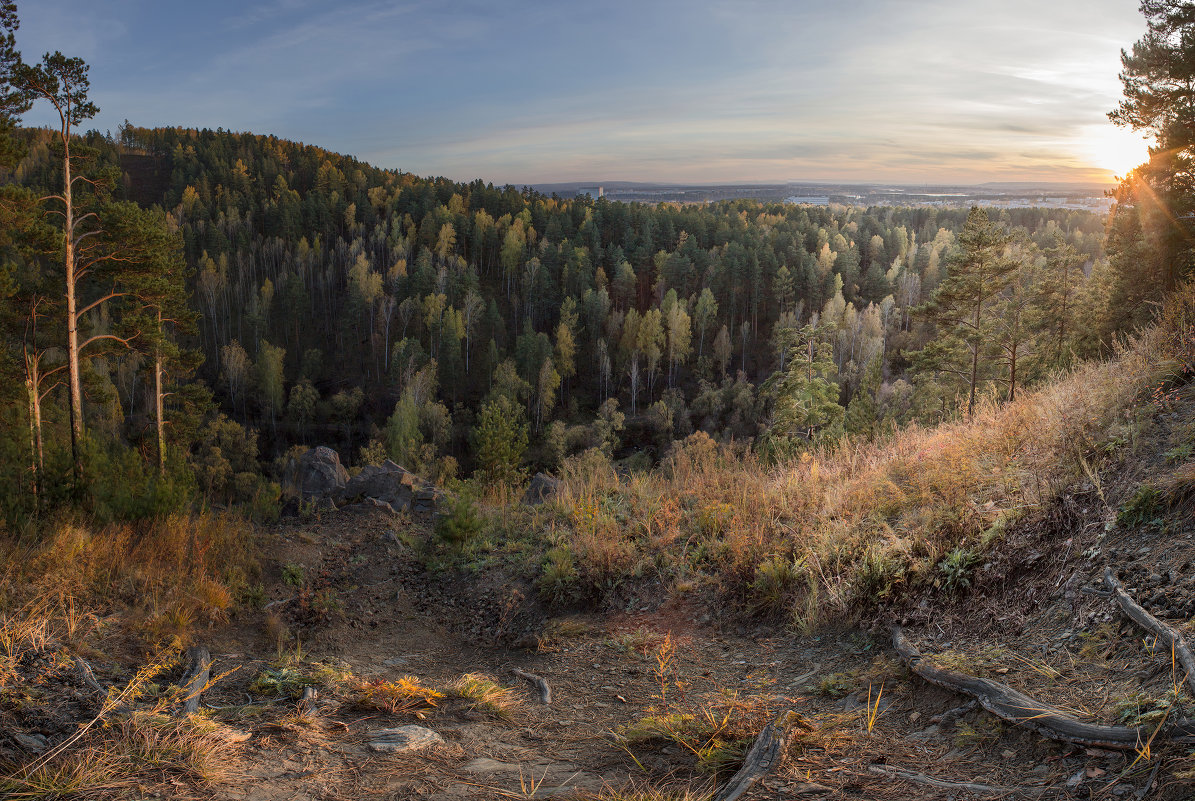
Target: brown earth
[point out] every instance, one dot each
(384, 615)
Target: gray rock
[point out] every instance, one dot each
(403, 739)
(382, 505)
(319, 473)
(542, 488)
(395, 485)
(33, 743)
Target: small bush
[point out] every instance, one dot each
(293, 574)
(1144, 507)
(776, 579)
(461, 525)
(558, 582)
(956, 569)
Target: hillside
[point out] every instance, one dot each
(672, 614)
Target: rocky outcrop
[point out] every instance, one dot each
(392, 484)
(542, 488)
(318, 473)
(317, 477)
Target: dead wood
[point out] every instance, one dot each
(195, 679)
(1173, 638)
(545, 692)
(84, 671)
(1008, 704)
(763, 755)
(971, 787)
(308, 707)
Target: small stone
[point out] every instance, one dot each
(33, 743)
(1006, 754)
(403, 739)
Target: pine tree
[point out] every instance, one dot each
(961, 308)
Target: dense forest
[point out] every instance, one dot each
(230, 296)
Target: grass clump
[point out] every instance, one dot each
(956, 568)
(405, 695)
(1144, 507)
(483, 694)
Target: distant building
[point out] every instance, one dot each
(601, 191)
(809, 200)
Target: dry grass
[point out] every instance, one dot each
(58, 593)
(483, 694)
(171, 574)
(861, 521)
(123, 747)
(406, 695)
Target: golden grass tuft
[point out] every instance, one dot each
(483, 694)
(406, 695)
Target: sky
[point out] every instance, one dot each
(693, 91)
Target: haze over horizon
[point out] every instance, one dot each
(914, 92)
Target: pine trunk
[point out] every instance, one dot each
(72, 318)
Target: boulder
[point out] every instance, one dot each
(319, 473)
(394, 485)
(542, 488)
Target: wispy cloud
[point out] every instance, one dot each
(672, 89)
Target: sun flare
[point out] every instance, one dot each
(1117, 150)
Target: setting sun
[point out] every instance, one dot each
(1115, 149)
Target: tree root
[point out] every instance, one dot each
(1015, 707)
(1138, 615)
(981, 789)
(764, 755)
(545, 692)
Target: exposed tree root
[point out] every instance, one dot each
(545, 692)
(764, 755)
(1138, 615)
(1008, 704)
(971, 787)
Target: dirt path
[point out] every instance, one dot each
(671, 672)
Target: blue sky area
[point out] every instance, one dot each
(914, 91)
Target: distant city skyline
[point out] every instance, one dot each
(912, 91)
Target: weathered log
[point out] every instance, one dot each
(545, 692)
(1138, 615)
(971, 787)
(194, 681)
(84, 671)
(762, 757)
(308, 707)
(1008, 704)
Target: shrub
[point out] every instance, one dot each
(558, 582)
(956, 568)
(460, 525)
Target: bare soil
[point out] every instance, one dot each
(1033, 627)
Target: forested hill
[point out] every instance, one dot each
(445, 324)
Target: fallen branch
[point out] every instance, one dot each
(84, 671)
(545, 692)
(1138, 615)
(806, 676)
(921, 778)
(196, 678)
(764, 755)
(1008, 704)
(307, 704)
